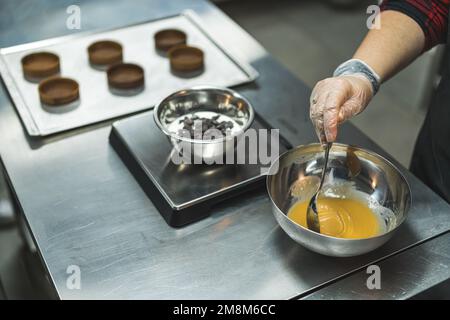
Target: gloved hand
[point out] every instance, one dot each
(335, 100)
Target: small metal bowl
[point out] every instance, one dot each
(206, 102)
(353, 171)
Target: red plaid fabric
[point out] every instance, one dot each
(431, 15)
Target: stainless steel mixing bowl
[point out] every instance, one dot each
(213, 101)
(352, 172)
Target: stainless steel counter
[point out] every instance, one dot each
(84, 208)
(408, 273)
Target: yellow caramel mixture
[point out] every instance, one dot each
(341, 218)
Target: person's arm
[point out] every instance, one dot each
(396, 44)
(407, 29)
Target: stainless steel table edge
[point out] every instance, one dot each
(31, 242)
(349, 289)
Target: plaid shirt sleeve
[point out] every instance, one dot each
(431, 15)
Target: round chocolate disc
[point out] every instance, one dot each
(125, 76)
(186, 59)
(105, 53)
(168, 38)
(57, 91)
(40, 65)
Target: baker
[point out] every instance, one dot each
(408, 28)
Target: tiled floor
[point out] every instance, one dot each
(310, 38)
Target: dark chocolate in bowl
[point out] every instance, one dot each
(40, 65)
(58, 91)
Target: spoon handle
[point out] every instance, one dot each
(324, 169)
(312, 215)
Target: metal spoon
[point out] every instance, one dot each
(312, 216)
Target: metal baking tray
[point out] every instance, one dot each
(97, 103)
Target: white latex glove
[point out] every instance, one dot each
(335, 100)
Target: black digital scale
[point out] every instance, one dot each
(182, 193)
